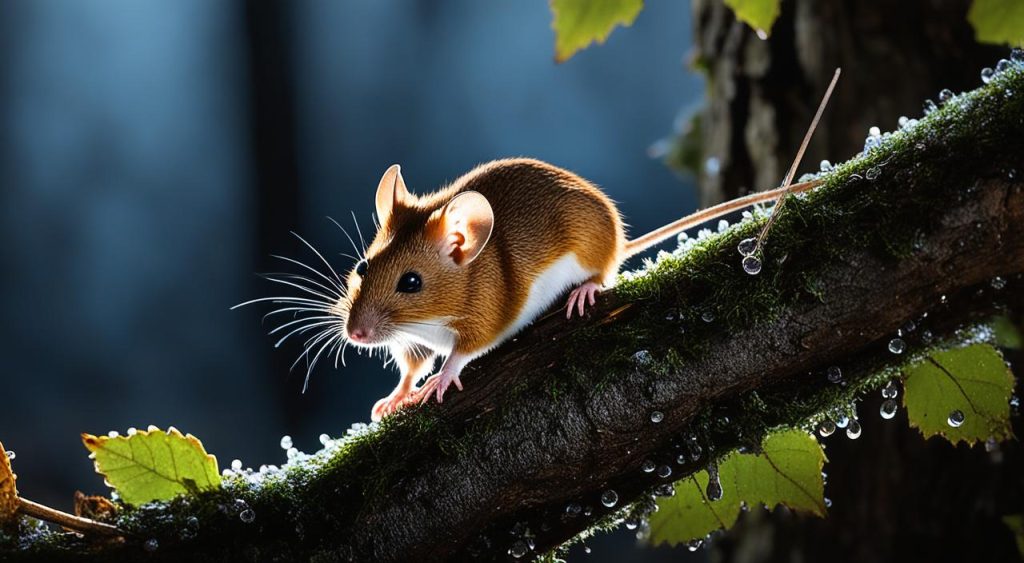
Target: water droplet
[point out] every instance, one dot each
(761, 34)
(714, 489)
(853, 430)
(632, 523)
(872, 173)
(132, 431)
(664, 471)
(151, 545)
(694, 545)
(903, 121)
(236, 465)
(991, 445)
(657, 416)
(955, 419)
(707, 316)
(10, 454)
(648, 466)
(286, 442)
(518, 549)
(828, 502)
(945, 95)
(609, 498)
(665, 490)
(752, 265)
(325, 439)
(747, 246)
(588, 510)
(248, 515)
(897, 345)
(834, 374)
(998, 282)
(888, 409)
(1017, 55)
(1002, 66)
(826, 428)
(874, 131)
(1014, 405)
(586, 549)
(890, 391)
(987, 74)
(825, 166)
(929, 106)
(842, 421)
(113, 434)
(573, 509)
(642, 357)
(292, 453)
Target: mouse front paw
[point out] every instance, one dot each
(436, 385)
(390, 404)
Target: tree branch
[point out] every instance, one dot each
(563, 413)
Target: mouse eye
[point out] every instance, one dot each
(361, 268)
(410, 282)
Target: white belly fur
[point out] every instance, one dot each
(564, 273)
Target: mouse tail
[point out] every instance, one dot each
(642, 243)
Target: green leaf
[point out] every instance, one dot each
(153, 465)
(1007, 334)
(997, 21)
(1015, 522)
(787, 472)
(974, 381)
(578, 23)
(758, 14)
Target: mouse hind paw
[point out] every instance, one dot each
(580, 297)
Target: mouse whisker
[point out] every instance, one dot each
(321, 256)
(334, 293)
(302, 320)
(334, 335)
(299, 287)
(302, 329)
(296, 310)
(349, 237)
(284, 300)
(359, 231)
(334, 283)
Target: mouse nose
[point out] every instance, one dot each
(361, 335)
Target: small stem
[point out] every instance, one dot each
(36, 510)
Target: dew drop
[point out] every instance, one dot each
(236, 465)
(714, 490)
(826, 428)
(1017, 55)
(903, 121)
(664, 471)
(113, 434)
(151, 545)
(825, 166)
(682, 459)
(707, 316)
(872, 173)
(132, 431)
(842, 421)
(248, 515)
(10, 454)
(762, 34)
(998, 282)
(955, 419)
(1014, 405)
(609, 498)
(929, 106)
(888, 409)
(325, 439)
(642, 357)
(987, 74)
(945, 95)
(752, 265)
(632, 523)
(897, 345)
(828, 502)
(874, 131)
(657, 416)
(834, 374)
(853, 430)
(518, 549)
(286, 442)
(665, 490)
(648, 466)
(586, 549)
(694, 545)
(890, 391)
(573, 509)
(747, 246)
(1002, 66)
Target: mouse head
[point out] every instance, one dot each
(411, 284)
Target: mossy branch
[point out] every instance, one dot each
(563, 412)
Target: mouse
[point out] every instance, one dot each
(456, 272)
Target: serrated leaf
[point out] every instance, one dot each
(153, 465)
(997, 21)
(758, 14)
(1015, 522)
(787, 472)
(578, 23)
(974, 380)
(8, 490)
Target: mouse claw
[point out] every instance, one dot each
(580, 297)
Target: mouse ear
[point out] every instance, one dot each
(391, 192)
(464, 227)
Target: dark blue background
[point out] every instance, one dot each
(153, 154)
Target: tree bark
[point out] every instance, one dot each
(563, 413)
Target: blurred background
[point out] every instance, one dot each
(154, 154)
